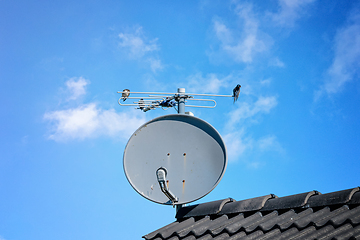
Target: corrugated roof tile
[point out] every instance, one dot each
(244, 223)
(278, 220)
(310, 218)
(185, 231)
(206, 237)
(286, 235)
(210, 226)
(319, 233)
(254, 235)
(222, 236)
(353, 216)
(341, 231)
(321, 221)
(274, 234)
(304, 234)
(255, 224)
(238, 236)
(302, 216)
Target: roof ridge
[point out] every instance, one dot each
(310, 214)
(268, 203)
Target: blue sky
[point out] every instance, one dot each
(294, 129)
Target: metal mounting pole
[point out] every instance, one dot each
(181, 101)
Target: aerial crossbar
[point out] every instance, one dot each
(166, 100)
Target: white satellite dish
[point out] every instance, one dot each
(175, 159)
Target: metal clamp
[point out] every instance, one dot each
(161, 177)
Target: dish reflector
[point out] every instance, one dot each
(187, 149)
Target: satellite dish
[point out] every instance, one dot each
(175, 159)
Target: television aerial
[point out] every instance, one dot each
(174, 159)
(146, 101)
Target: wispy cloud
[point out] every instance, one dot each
(244, 43)
(155, 64)
(90, 121)
(138, 47)
(345, 65)
(276, 62)
(211, 83)
(136, 43)
(290, 11)
(249, 110)
(76, 87)
(241, 144)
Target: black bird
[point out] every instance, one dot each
(125, 94)
(236, 92)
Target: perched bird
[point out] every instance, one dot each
(236, 92)
(125, 94)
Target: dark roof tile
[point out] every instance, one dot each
(242, 223)
(202, 209)
(234, 224)
(255, 235)
(288, 202)
(206, 237)
(274, 234)
(355, 198)
(286, 235)
(311, 218)
(303, 216)
(333, 198)
(353, 216)
(314, 233)
(238, 236)
(185, 231)
(222, 236)
(255, 224)
(340, 232)
(321, 221)
(211, 227)
(278, 220)
(253, 204)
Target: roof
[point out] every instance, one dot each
(310, 215)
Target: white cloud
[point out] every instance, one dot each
(211, 83)
(269, 143)
(346, 62)
(242, 147)
(136, 43)
(242, 44)
(276, 62)
(237, 144)
(76, 87)
(90, 121)
(249, 110)
(223, 33)
(290, 11)
(155, 64)
(138, 47)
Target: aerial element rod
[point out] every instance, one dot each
(176, 100)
